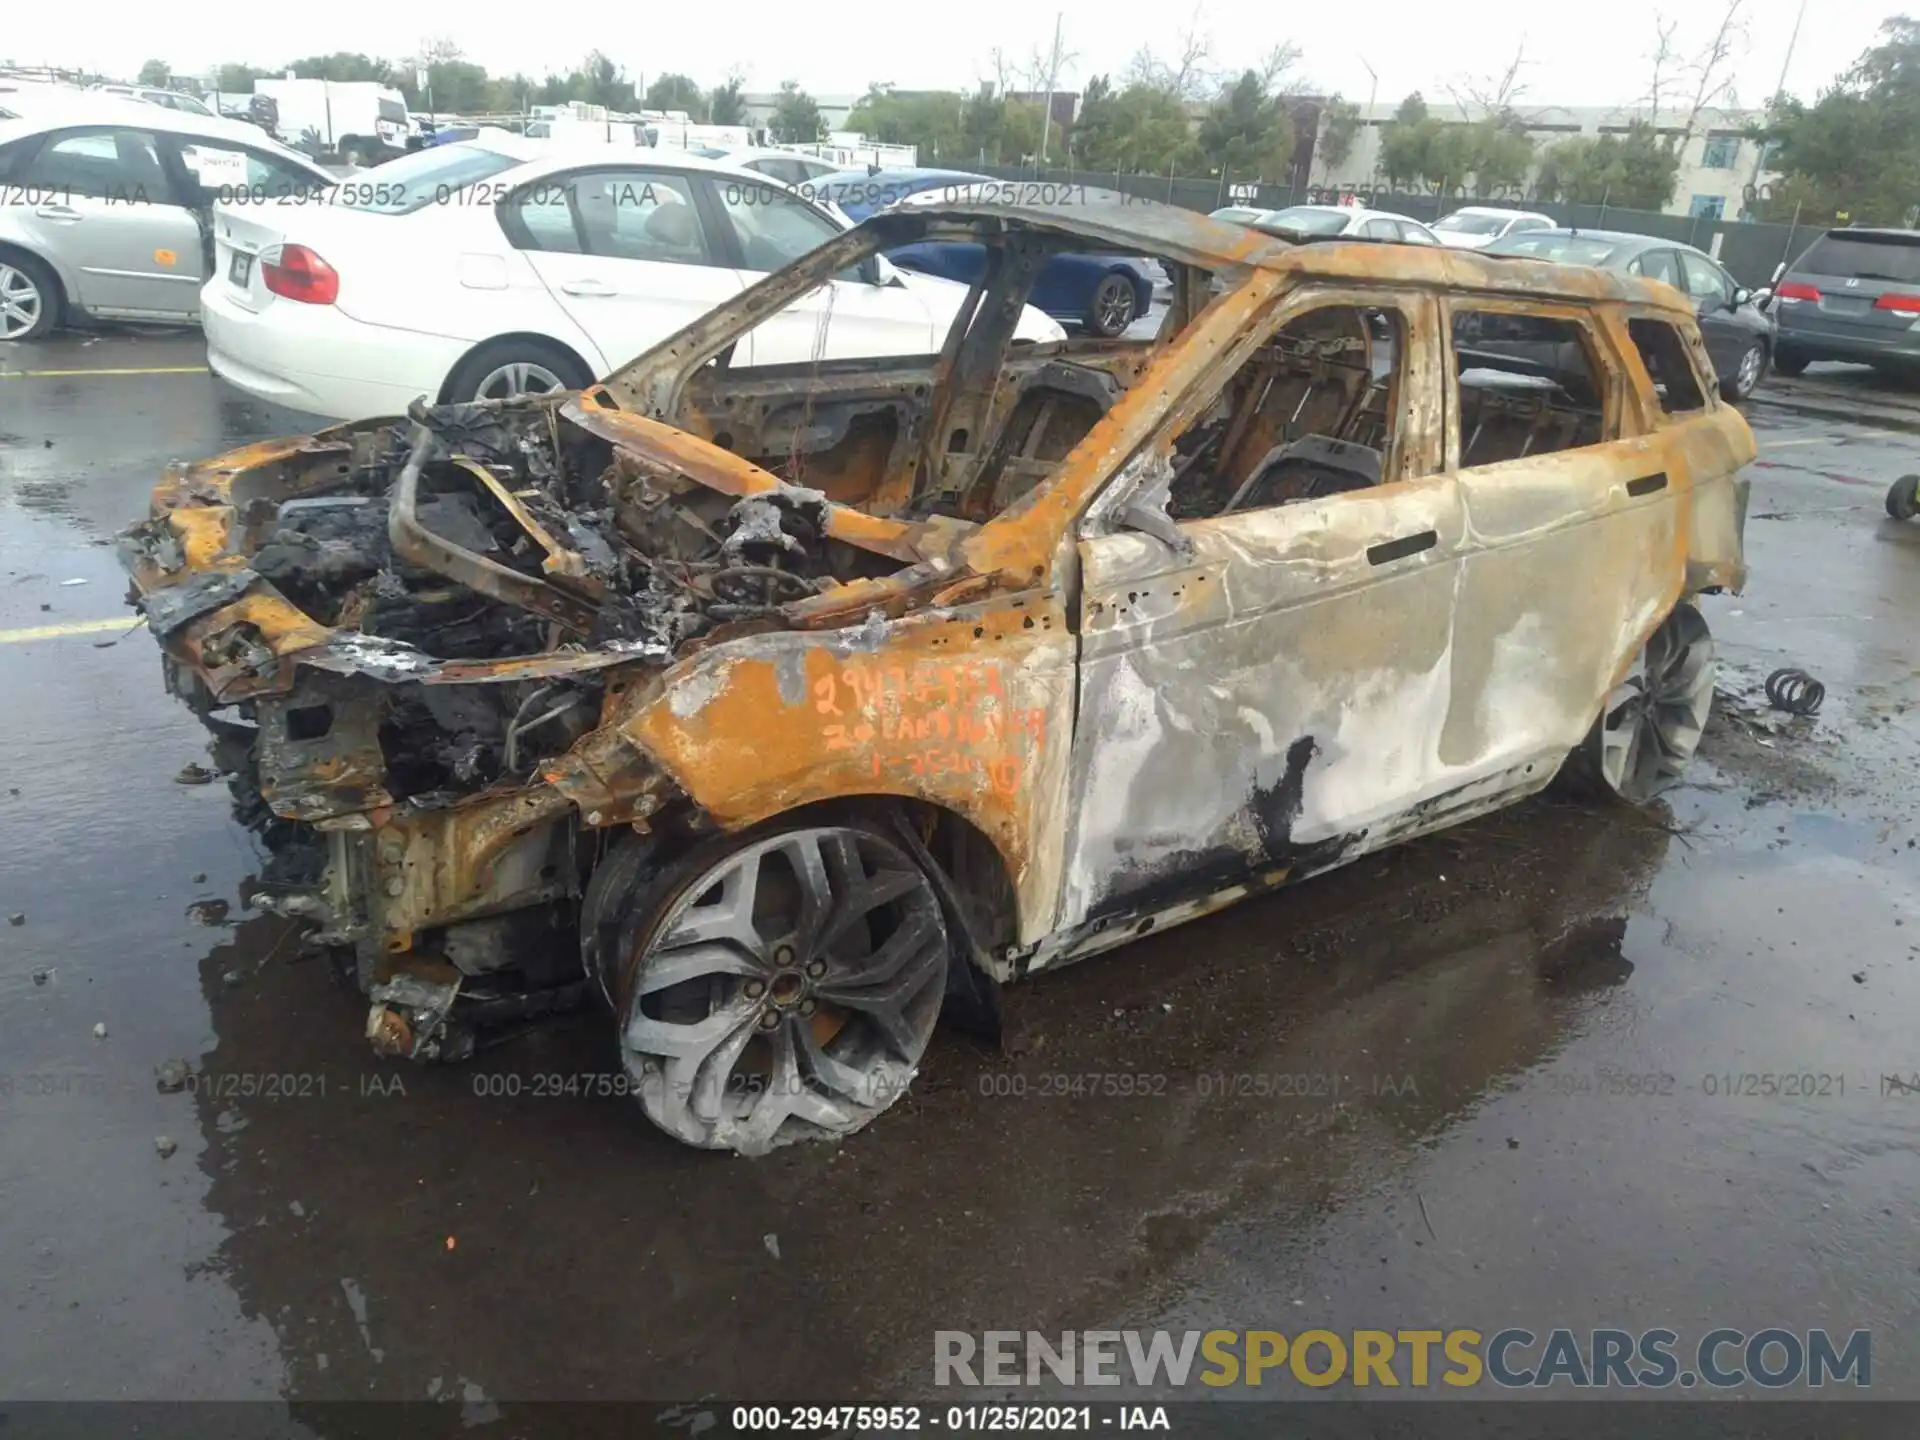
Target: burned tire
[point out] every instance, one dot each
(501, 368)
(1903, 497)
(770, 987)
(30, 299)
(1651, 724)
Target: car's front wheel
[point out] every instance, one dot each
(29, 298)
(1789, 362)
(1114, 306)
(776, 986)
(505, 368)
(1652, 721)
(1746, 375)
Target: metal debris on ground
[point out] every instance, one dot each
(1795, 691)
(171, 1075)
(191, 774)
(165, 1145)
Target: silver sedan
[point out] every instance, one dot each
(105, 209)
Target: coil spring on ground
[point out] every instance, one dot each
(1795, 692)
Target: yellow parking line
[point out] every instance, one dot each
(71, 627)
(143, 370)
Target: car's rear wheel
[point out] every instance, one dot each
(1651, 725)
(777, 986)
(1114, 305)
(505, 368)
(1903, 499)
(1789, 362)
(1746, 374)
(29, 297)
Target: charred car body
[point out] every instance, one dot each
(775, 704)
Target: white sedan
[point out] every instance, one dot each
(499, 266)
(1352, 221)
(1474, 227)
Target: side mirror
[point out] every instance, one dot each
(878, 270)
(1762, 296)
(1742, 296)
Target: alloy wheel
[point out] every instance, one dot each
(1113, 305)
(1654, 717)
(523, 377)
(21, 303)
(1748, 375)
(787, 993)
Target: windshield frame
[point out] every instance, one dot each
(1466, 222)
(1272, 219)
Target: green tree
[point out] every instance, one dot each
(930, 120)
(458, 86)
(238, 79)
(1635, 171)
(155, 72)
(676, 92)
(343, 65)
(1406, 142)
(1142, 129)
(725, 105)
(1339, 131)
(1247, 132)
(1856, 150)
(1500, 154)
(796, 118)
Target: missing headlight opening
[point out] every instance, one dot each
(784, 708)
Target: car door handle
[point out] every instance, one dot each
(1388, 551)
(588, 287)
(1647, 484)
(57, 212)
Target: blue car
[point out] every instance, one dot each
(1105, 293)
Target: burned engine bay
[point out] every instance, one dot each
(405, 621)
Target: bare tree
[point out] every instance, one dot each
(1276, 68)
(1665, 58)
(1189, 74)
(1493, 95)
(1713, 69)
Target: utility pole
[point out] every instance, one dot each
(1779, 89)
(1053, 76)
(1366, 121)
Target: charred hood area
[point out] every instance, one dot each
(486, 566)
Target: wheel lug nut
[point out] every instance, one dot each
(770, 1019)
(816, 968)
(783, 955)
(807, 1006)
(756, 988)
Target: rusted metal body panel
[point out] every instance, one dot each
(973, 596)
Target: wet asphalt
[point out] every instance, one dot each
(1459, 1012)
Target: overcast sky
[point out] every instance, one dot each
(1580, 54)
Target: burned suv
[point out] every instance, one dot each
(781, 706)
